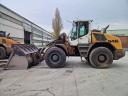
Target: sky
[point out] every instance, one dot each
(102, 12)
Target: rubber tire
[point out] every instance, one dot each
(62, 57)
(93, 57)
(2, 53)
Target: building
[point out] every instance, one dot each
(22, 29)
(121, 32)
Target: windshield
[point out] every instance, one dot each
(73, 33)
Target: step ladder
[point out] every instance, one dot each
(83, 49)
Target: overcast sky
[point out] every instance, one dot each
(41, 12)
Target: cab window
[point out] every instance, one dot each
(83, 30)
(73, 35)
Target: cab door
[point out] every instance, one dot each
(83, 34)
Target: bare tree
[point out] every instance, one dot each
(57, 23)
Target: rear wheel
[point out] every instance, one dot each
(2, 53)
(101, 57)
(55, 57)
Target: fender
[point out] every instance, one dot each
(63, 47)
(101, 44)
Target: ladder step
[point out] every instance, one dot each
(83, 54)
(83, 44)
(83, 48)
(84, 51)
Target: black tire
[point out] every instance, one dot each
(55, 57)
(101, 57)
(2, 53)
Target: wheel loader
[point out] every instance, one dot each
(96, 46)
(6, 43)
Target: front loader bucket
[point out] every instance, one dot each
(24, 56)
(18, 63)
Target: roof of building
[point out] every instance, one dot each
(118, 27)
(24, 18)
(121, 32)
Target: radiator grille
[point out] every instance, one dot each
(100, 37)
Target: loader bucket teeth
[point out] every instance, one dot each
(24, 57)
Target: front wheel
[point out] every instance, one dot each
(55, 57)
(101, 57)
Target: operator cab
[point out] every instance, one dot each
(80, 32)
(2, 34)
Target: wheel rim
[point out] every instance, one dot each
(55, 57)
(102, 58)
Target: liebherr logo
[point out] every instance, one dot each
(113, 41)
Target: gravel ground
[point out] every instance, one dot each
(76, 79)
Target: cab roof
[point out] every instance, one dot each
(76, 21)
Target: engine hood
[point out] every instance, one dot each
(108, 38)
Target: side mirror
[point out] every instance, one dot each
(8, 36)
